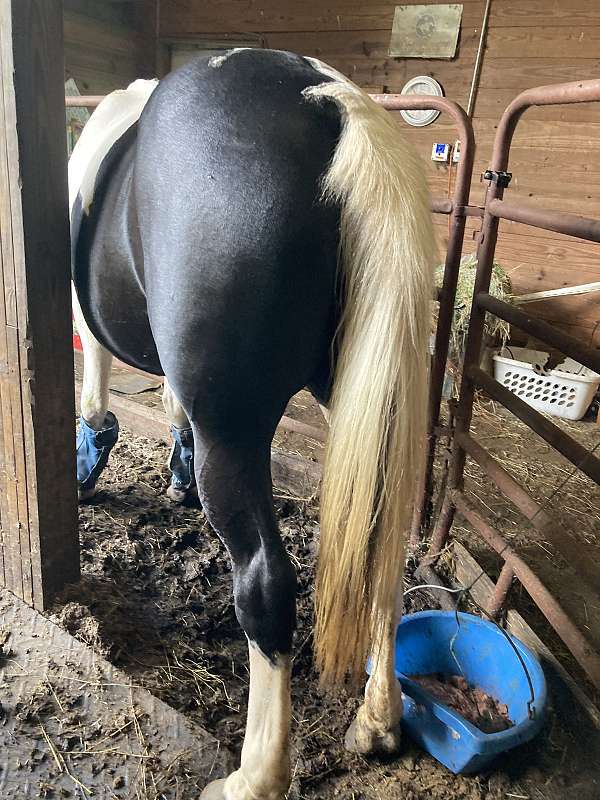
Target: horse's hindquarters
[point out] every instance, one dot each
(240, 255)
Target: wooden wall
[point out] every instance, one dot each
(109, 43)
(556, 155)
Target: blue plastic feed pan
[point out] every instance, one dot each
(431, 642)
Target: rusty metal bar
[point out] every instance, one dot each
(83, 101)
(569, 345)
(451, 268)
(442, 530)
(495, 208)
(547, 219)
(554, 613)
(501, 589)
(472, 211)
(580, 555)
(559, 94)
(505, 482)
(587, 462)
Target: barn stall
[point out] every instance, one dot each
(155, 665)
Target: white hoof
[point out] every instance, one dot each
(361, 738)
(214, 791)
(176, 495)
(181, 496)
(236, 787)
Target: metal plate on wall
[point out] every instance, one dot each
(428, 31)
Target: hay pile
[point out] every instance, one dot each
(500, 287)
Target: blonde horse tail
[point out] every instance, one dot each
(379, 399)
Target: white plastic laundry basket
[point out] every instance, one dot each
(565, 391)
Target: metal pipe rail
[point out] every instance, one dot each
(569, 345)
(497, 208)
(581, 458)
(83, 101)
(547, 219)
(553, 95)
(455, 207)
(582, 556)
(577, 643)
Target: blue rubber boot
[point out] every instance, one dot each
(181, 464)
(93, 448)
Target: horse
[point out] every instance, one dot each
(251, 225)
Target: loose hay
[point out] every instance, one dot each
(494, 327)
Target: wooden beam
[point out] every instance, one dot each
(40, 549)
(294, 474)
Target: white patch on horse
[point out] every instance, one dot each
(265, 768)
(96, 371)
(217, 61)
(113, 117)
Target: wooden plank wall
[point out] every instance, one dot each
(39, 546)
(556, 154)
(109, 43)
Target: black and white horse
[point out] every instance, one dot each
(252, 225)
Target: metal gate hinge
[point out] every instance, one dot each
(500, 178)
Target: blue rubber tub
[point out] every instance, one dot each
(488, 662)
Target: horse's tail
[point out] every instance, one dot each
(379, 399)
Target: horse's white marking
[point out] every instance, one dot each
(217, 61)
(96, 371)
(264, 773)
(113, 117)
(173, 408)
(378, 718)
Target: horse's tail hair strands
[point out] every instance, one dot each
(379, 400)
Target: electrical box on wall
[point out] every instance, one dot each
(440, 152)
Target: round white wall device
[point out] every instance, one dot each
(422, 84)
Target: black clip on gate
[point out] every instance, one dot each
(501, 179)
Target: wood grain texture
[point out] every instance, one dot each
(108, 45)
(530, 43)
(40, 532)
(185, 17)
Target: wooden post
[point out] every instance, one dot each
(38, 501)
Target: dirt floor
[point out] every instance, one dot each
(156, 601)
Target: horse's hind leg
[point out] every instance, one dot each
(181, 457)
(376, 728)
(98, 427)
(234, 486)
